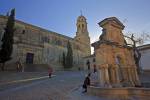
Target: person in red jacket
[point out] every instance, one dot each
(50, 70)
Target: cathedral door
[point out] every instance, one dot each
(29, 58)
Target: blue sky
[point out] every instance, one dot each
(60, 15)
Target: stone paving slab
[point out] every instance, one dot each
(6, 77)
(65, 86)
(78, 95)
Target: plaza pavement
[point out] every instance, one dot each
(64, 85)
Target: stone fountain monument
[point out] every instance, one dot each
(115, 62)
(114, 58)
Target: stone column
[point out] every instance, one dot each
(137, 77)
(106, 78)
(126, 73)
(130, 76)
(127, 76)
(112, 75)
(101, 76)
(117, 76)
(133, 75)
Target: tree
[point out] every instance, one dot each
(134, 41)
(69, 56)
(7, 40)
(64, 59)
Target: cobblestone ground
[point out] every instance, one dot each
(63, 86)
(12, 76)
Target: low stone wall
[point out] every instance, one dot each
(120, 92)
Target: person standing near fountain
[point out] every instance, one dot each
(86, 83)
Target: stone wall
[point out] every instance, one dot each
(120, 93)
(92, 62)
(47, 46)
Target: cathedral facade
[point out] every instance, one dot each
(35, 45)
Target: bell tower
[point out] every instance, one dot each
(82, 34)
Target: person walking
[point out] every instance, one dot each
(50, 70)
(19, 65)
(86, 83)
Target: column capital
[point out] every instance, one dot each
(103, 66)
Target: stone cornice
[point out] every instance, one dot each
(31, 44)
(97, 43)
(111, 19)
(144, 47)
(39, 28)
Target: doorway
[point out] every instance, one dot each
(29, 58)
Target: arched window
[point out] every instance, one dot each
(82, 25)
(23, 31)
(78, 26)
(119, 60)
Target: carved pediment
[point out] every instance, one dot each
(112, 20)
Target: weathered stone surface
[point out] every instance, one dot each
(47, 47)
(113, 57)
(120, 93)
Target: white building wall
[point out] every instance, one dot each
(145, 59)
(92, 63)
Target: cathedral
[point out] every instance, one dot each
(35, 45)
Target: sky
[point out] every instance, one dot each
(60, 15)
